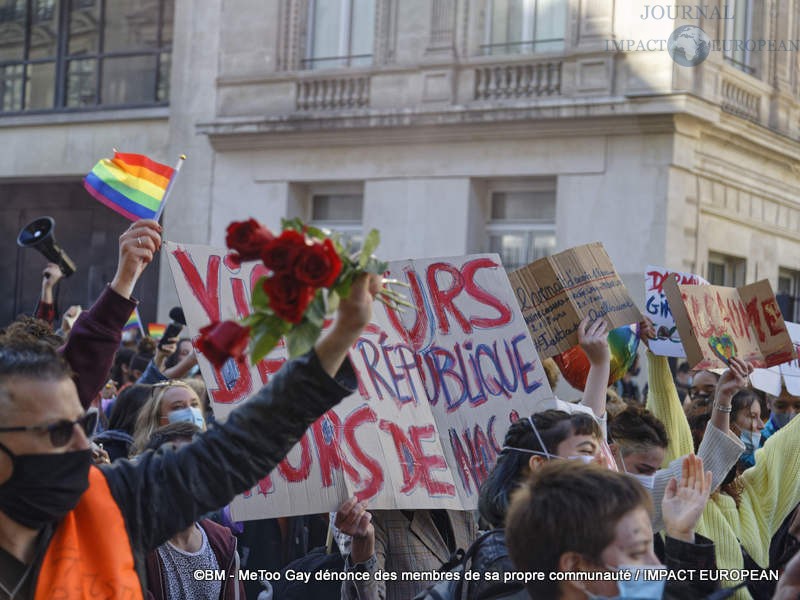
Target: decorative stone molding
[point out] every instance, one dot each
(332, 93)
(517, 80)
(736, 100)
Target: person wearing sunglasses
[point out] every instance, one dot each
(69, 529)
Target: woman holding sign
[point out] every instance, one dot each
(743, 518)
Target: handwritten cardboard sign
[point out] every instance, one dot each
(716, 323)
(438, 387)
(656, 308)
(555, 293)
(786, 374)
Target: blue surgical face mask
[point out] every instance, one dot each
(639, 587)
(190, 414)
(781, 419)
(751, 440)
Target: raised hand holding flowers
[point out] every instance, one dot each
(309, 273)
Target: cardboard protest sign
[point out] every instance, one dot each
(786, 374)
(438, 387)
(656, 308)
(555, 293)
(716, 323)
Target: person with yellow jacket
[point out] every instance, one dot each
(767, 492)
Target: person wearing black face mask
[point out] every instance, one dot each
(68, 529)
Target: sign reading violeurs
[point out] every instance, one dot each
(438, 387)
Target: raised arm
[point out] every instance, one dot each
(164, 492)
(594, 341)
(46, 309)
(772, 486)
(96, 334)
(732, 380)
(663, 400)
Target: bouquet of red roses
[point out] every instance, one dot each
(309, 271)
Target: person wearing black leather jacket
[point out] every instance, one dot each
(72, 529)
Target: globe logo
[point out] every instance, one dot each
(689, 45)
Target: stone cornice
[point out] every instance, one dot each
(549, 117)
(768, 229)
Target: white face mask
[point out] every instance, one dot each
(648, 481)
(585, 459)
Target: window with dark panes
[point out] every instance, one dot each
(84, 54)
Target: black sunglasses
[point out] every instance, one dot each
(61, 431)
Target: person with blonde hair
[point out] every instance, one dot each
(171, 401)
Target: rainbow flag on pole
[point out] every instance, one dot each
(130, 184)
(134, 322)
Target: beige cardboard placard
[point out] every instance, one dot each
(555, 293)
(716, 323)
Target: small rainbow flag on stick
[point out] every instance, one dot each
(132, 184)
(134, 322)
(156, 330)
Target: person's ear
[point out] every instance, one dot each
(534, 462)
(572, 562)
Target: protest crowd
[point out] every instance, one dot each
(119, 478)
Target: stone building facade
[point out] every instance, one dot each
(458, 126)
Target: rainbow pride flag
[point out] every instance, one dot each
(156, 330)
(130, 184)
(134, 322)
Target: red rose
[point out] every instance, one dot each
(248, 238)
(318, 265)
(288, 297)
(220, 341)
(282, 252)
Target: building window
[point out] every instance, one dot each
(788, 294)
(738, 31)
(726, 270)
(84, 54)
(525, 26)
(522, 221)
(341, 33)
(339, 208)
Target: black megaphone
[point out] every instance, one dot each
(38, 234)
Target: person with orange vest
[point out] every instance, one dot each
(72, 530)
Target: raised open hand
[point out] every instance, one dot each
(593, 338)
(733, 379)
(684, 502)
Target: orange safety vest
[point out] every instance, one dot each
(90, 554)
